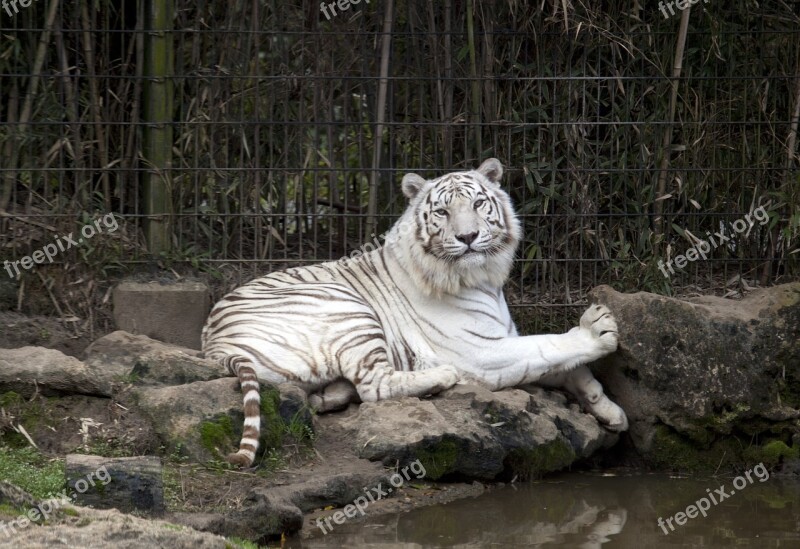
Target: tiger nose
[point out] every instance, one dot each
(467, 238)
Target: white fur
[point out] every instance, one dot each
(433, 293)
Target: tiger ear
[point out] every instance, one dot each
(412, 183)
(492, 170)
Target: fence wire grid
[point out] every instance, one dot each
(254, 135)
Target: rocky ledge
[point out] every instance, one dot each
(707, 384)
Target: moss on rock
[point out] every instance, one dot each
(217, 435)
(771, 453)
(272, 425)
(439, 459)
(534, 462)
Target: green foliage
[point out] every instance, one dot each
(280, 168)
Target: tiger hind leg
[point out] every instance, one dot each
(386, 382)
(334, 396)
(243, 369)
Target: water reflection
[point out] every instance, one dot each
(587, 511)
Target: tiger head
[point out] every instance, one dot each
(459, 230)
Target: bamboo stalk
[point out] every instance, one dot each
(10, 175)
(380, 119)
(448, 74)
(475, 109)
(666, 142)
(94, 105)
(157, 113)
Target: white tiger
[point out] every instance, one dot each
(409, 318)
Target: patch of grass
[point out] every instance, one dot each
(31, 471)
(239, 543)
(108, 448)
(299, 430)
(11, 511)
(173, 491)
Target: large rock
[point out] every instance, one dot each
(151, 362)
(473, 432)
(707, 383)
(269, 512)
(30, 369)
(203, 420)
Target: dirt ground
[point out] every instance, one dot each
(103, 426)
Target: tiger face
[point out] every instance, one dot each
(463, 229)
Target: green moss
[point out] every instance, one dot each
(217, 435)
(440, 459)
(771, 453)
(534, 462)
(70, 512)
(672, 451)
(273, 426)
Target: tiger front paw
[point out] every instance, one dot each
(601, 326)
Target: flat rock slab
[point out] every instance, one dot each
(152, 362)
(173, 313)
(127, 484)
(30, 369)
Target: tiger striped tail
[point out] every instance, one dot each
(243, 369)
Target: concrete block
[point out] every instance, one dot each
(172, 313)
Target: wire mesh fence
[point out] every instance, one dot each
(277, 134)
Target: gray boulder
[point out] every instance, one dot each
(473, 432)
(203, 420)
(707, 383)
